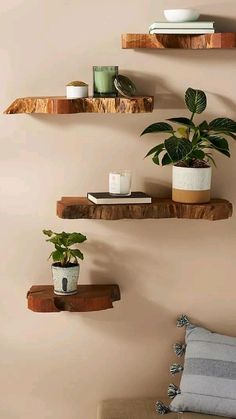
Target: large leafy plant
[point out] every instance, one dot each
(64, 254)
(191, 145)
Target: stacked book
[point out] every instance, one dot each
(104, 198)
(182, 28)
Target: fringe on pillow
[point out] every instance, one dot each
(173, 391)
(176, 368)
(182, 321)
(179, 349)
(161, 408)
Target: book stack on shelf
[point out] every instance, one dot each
(182, 28)
(105, 198)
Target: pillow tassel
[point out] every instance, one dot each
(179, 349)
(183, 321)
(176, 368)
(161, 408)
(173, 391)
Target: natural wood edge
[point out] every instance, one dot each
(41, 298)
(62, 105)
(226, 40)
(74, 208)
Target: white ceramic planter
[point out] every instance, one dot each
(65, 279)
(191, 185)
(76, 92)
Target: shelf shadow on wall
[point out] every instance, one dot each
(222, 23)
(151, 84)
(157, 188)
(137, 315)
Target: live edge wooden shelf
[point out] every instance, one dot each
(72, 208)
(208, 41)
(62, 105)
(42, 299)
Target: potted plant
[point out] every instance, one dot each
(189, 149)
(65, 269)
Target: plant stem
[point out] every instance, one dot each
(189, 130)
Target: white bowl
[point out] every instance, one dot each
(181, 15)
(76, 92)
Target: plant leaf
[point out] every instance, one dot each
(183, 132)
(218, 142)
(203, 126)
(177, 148)
(223, 125)
(158, 127)
(48, 233)
(77, 254)
(230, 134)
(155, 159)
(75, 238)
(57, 256)
(183, 121)
(157, 149)
(225, 152)
(166, 160)
(198, 154)
(195, 100)
(196, 139)
(209, 156)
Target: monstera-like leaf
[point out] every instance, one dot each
(220, 144)
(195, 100)
(158, 127)
(223, 125)
(182, 121)
(157, 150)
(177, 148)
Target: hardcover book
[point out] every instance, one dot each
(182, 25)
(181, 31)
(106, 198)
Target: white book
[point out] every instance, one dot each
(181, 31)
(182, 25)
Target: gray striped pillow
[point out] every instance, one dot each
(208, 383)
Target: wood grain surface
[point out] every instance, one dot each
(41, 298)
(207, 41)
(81, 207)
(62, 105)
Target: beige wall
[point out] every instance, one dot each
(59, 366)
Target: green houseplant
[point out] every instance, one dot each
(65, 267)
(189, 149)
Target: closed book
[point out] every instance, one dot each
(182, 25)
(181, 31)
(107, 199)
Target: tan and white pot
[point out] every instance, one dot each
(191, 185)
(65, 279)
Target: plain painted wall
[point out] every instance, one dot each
(60, 366)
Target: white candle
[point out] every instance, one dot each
(120, 183)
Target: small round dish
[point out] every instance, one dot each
(124, 86)
(181, 15)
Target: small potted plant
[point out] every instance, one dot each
(189, 149)
(65, 269)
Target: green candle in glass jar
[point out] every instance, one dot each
(103, 81)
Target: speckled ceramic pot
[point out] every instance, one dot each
(65, 279)
(191, 185)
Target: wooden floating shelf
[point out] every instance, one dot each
(207, 41)
(72, 208)
(42, 299)
(61, 105)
